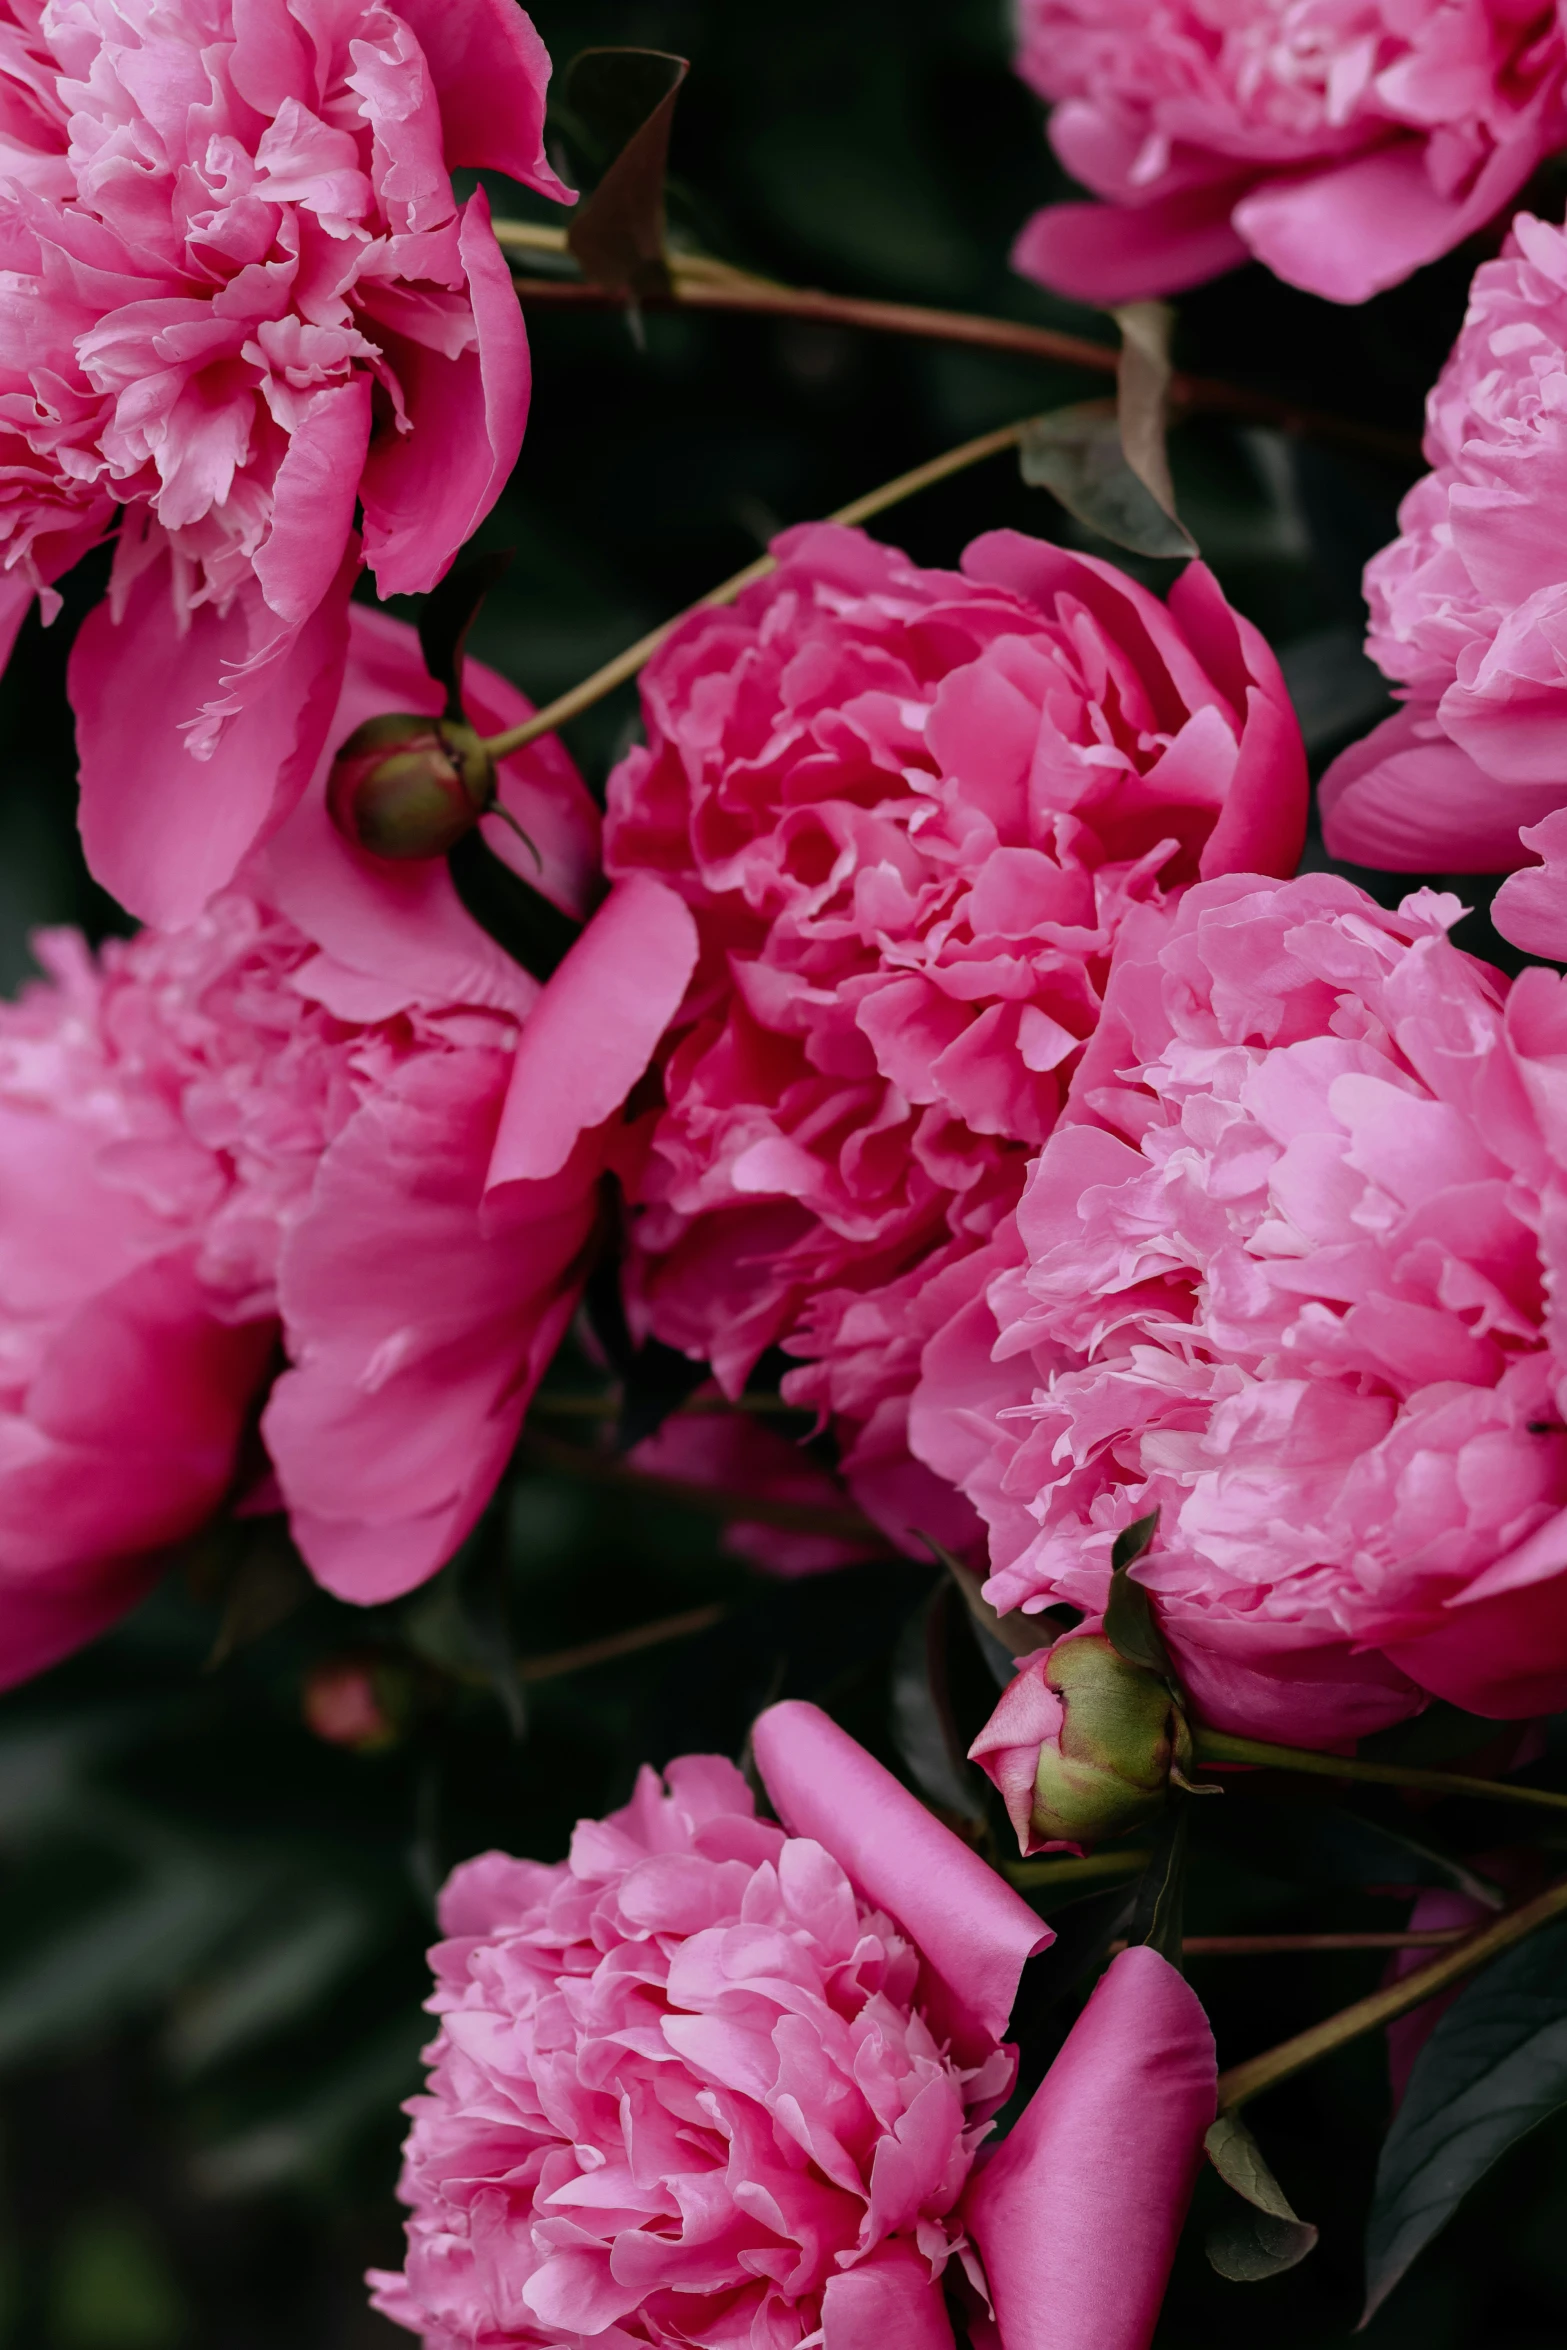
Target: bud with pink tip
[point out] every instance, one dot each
(405, 787)
(1082, 1744)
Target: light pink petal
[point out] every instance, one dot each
(491, 73)
(1109, 253)
(974, 1931)
(427, 491)
(1530, 908)
(595, 1028)
(163, 829)
(1076, 2214)
(1410, 801)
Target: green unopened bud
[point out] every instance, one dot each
(1081, 1744)
(407, 787)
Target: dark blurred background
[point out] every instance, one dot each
(212, 1918)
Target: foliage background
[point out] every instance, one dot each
(211, 1923)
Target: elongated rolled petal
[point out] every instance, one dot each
(974, 1931)
(1077, 2212)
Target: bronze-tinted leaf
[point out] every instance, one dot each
(622, 104)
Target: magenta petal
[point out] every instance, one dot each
(1408, 800)
(1076, 2214)
(491, 73)
(1108, 253)
(313, 500)
(428, 490)
(974, 1931)
(163, 829)
(890, 2298)
(595, 1028)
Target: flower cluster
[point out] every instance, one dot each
(1289, 1278)
(271, 1132)
(909, 810)
(712, 2082)
(241, 296)
(1343, 142)
(1467, 609)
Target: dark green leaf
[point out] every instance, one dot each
(1494, 2068)
(1076, 454)
(1269, 2238)
(1132, 1541)
(922, 1720)
(1161, 1889)
(622, 102)
(533, 932)
(448, 612)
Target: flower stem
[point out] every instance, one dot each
(698, 282)
(625, 665)
(1219, 1746)
(1040, 1876)
(1244, 2081)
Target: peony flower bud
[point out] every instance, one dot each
(1081, 1744)
(352, 1701)
(405, 787)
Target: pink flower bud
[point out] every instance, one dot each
(406, 787)
(345, 1702)
(1080, 1746)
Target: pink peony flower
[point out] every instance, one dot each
(1343, 142)
(241, 296)
(1288, 1273)
(270, 1131)
(909, 810)
(718, 2082)
(1468, 607)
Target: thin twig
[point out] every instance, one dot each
(617, 1644)
(718, 1501)
(1244, 2081)
(625, 665)
(1218, 1746)
(1280, 1945)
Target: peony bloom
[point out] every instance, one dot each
(1342, 142)
(1289, 1274)
(267, 1136)
(1468, 611)
(719, 2082)
(909, 810)
(241, 297)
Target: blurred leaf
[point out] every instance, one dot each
(1161, 1890)
(302, 2141)
(1271, 2237)
(1142, 395)
(622, 101)
(1493, 2069)
(265, 1584)
(275, 1979)
(1336, 691)
(1305, 1837)
(922, 1720)
(1076, 454)
(114, 2288)
(449, 612)
(483, 1595)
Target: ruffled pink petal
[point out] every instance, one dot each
(426, 491)
(1104, 254)
(491, 74)
(163, 829)
(1530, 908)
(416, 1339)
(890, 2298)
(595, 1028)
(974, 1931)
(313, 501)
(1076, 2214)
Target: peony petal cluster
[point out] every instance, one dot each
(240, 298)
(1469, 616)
(717, 2082)
(1344, 143)
(909, 810)
(1289, 1274)
(244, 1167)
